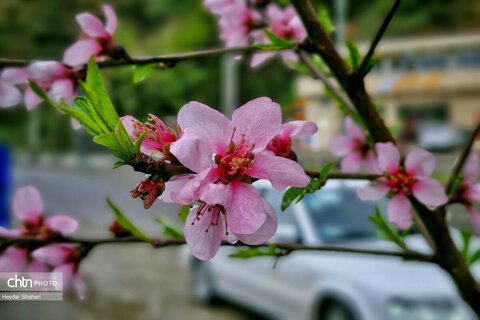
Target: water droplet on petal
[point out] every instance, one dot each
(200, 122)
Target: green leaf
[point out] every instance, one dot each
(385, 230)
(183, 213)
(119, 164)
(247, 253)
(277, 43)
(325, 170)
(39, 92)
(474, 258)
(124, 140)
(355, 58)
(325, 21)
(95, 91)
(126, 223)
(82, 104)
(109, 141)
(456, 184)
(138, 143)
(290, 195)
(143, 71)
(466, 241)
(169, 229)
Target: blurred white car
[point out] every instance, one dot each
(314, 285)
(437, 136)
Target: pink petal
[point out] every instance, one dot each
(282, 172)
(64, 225)
(430, 192)
(259, 120)
(193, 150)
(374, 190)
(53, 254)
(128, 122)
(474, 218)
(63, 89)
(203, 244)
(288, 57)
(243, 212)
(67, 272)
(31, 99)
(79, 285)
(192, 188)
(75, 124)
(353, 130)
(111, 19)
(298, 129)
(266, 231)
(37, 266)
(174, 185)
(13, 259)
(260, 58)
(351, 163)
(400, 212)
(209, 123)
(371, 164)
(44, 71)
(10, 232)
(9, 95)
(27, 204)
(91, 25)
(473, 193)
(15, 75)
(340, 146)
(79, 52)
(420, 163)
(472, 167)
(388, 156)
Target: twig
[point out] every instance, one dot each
(166, 242)
(463, 158)
(342, 175)
(364, 67)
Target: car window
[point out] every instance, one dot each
(275, 199)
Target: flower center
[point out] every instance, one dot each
(401, 181)
(215, 211)
(362, 147)
(237, 159)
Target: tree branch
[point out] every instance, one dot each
(463, 158)
(166, 242)
(364, 67)
(342, 175)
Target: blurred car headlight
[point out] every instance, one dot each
(404, 309)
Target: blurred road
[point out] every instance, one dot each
(123, 282)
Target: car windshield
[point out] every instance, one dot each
(338, 215)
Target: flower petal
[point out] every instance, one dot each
(351, 163)
(128, 122)
(10, 232)
(63, 89)
(340, 145)
(260, 58)
(111, 19)
(202, 238)
(79, 52)
(282, 172)
(13, 260)
(79, 285)
(192, 188)
(52, 254)
(420, 163)
(37, 266)
(353, 130)
(67, 273)
(266, 231)
(474, 218)
(15, 75)
(44, 71)
(374, 190)
(91, 25)
(62, 224)
(9, 95)
(388, 156)
(371, 164)
(193, 150)
(243, 212)
(259, 121)
(400, 212)
(31, 99)
(298, 129)
(472, 167)
(27, 204)
(430, 192)
(174, 185)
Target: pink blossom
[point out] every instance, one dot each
(280, 145)
(285, 24)
(28, 208)
(402, 180)
(96, 39)
(58, 81)
(64, 258)
(158, 136)
(355, 150)
(469, 189)
(10, 95)
(225, 155)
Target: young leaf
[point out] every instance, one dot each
(474, 258)
(138, 143)
(143, 71)
(126, 223)
(169, 229)
(124, 140)
(109, 141)
(183, 213)
(82, 104)
(39, 92)
(466, 241)
(385, 230)
(118, 164)
(325, 21)
(277, 41)
(291, 195)
(247, 253)
(324, 171)
(355, 58)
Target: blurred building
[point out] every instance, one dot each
(430, 83)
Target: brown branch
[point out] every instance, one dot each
(166, 242)
(342, 175)
(364, 67)
(167, 60)
(463, 158)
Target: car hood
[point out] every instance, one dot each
(391, 275)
